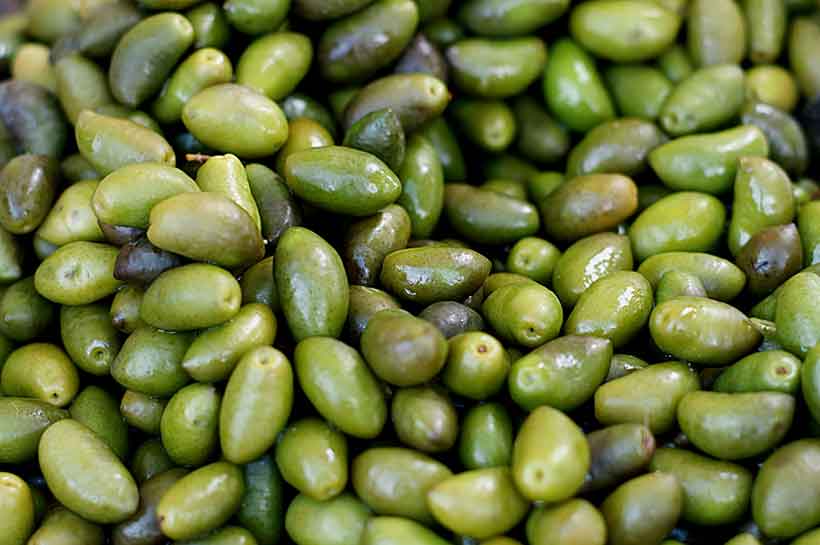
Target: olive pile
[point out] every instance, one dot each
(409, 272)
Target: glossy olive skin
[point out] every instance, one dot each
(98, 410)
(486, 438)
(318, 11)
(615, 307)
(771, 256)
(287, 55)
(683, 221)
(27, 60)
(624, 364)
(314, 300)
(117, 201)
(88, 478)
(773, 85)
(588, 204)
(477, 365)
(617, 453)
(146, 54)
(452, 318)
(394, 530)
(496, 68)
(772, 370)
(423, 56)
(526, 314)
(588, 260)
(215, 352)
(716, 32)
(422, 176)
(401, 349)
(201, 501)
(72, 218)
(188, 427)
(535, 258)
(61, 525)
(278, 209)
(802, 38)
(810, 381)
(563, 373)
(81, 85)
(261, 372)
(624, 31)
(619, 146)
(502, 18)
(332, 522)
(17, 504)
(262, 507)
(225, 174)
(488, 123)
(150, 459)
(341, 386)
(11, 268)
(24, 314)
(175, 301)
(573, 88)
(424, 418)
(428, 275)
(29, 186)
(703, 331)
(570, 522)
(414, 98)
(25, 420)
(676, 283)
(250, 124)
(210, 26)
(375, 469)
(380, 133)
(150, 361)
(481, 502)
(714, 492)
(809, 538)
(439, 134)
(643, 510)
(33, 118)
(648, 396)
(487, 217)
(721, 278)
(787, 142)
(758, 422)
(342, 180)
(42, 371)
(550, 471)
(142, 528)
(795, 317)
(189, 224)
(706, 100)
(639, 90)
(364, 304)
(368, 242)
(540, 137)
(142, 411)
(472, 334)
(778, 508)
(707, 162)
(762, 198)
(312, 457)
(141, 262)
(124, 142)
(809, 234)
(344, 51)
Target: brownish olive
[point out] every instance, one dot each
(141, 262)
